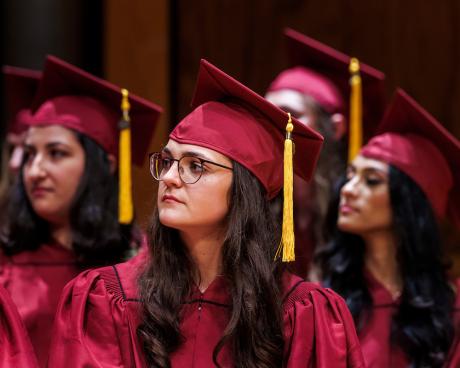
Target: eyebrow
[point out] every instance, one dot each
(48, 145)
(187, 153)
(368, 169)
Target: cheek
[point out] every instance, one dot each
(68, 179)
(26, 178)
(375, 214)
(211, 197)
(206, 205)
(211, 205)
(380, 209)
(160, 192)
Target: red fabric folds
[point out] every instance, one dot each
(34, 280)
(99, 313)
(15, 347)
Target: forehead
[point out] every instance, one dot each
(364, 163)
(50, 133)
(178, 149)
(286, 97)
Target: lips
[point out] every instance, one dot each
(346, 209)
(168, 198)
(40, 191)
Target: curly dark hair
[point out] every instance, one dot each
(423, 324)
(97, 237)
(254, 331)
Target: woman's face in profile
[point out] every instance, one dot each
(365, 205)
(54, 162)
(202, 205)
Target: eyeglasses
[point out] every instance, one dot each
(190, 168)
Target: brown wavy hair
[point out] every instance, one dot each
(254, 330)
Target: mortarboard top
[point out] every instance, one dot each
(75, 99)
(412, 140)
(323, 73)
(232, 119)
(20, 86)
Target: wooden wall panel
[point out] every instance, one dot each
(137, 57)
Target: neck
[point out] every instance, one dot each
(205, 248)
(62, 234)
(381, 260)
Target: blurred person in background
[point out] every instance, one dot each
(20, 86)
(316, 90)
(385, 255)
(65, 214)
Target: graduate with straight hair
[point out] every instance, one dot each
(385, 256)
(64, 213)
(213, 291)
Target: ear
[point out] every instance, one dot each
(338, 126)
(112, 163)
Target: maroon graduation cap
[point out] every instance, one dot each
(75, 99)
(323, 73)
(413, 141)
(230, 118)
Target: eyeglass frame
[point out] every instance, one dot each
(202, 161)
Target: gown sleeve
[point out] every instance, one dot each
(15, 347)
(319, 330)
(93, 326)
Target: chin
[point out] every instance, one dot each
(349, 227)
(170, 220)
(49, 216)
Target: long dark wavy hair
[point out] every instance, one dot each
(97, 237)
(423, 324)
(254, 331)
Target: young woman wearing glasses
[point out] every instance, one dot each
(211, 292)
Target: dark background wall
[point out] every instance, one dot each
(416, 43)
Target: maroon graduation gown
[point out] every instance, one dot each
(99, 313)
(375, 336)
(15, 347)
(34, 280)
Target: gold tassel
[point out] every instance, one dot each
(355, 133)
(125, 198)
(287, 244)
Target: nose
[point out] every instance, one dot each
(172, 177)
(350, 187)
(35, 169)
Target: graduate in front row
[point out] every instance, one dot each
(212, 290)
(385, 256)
(64, 214)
